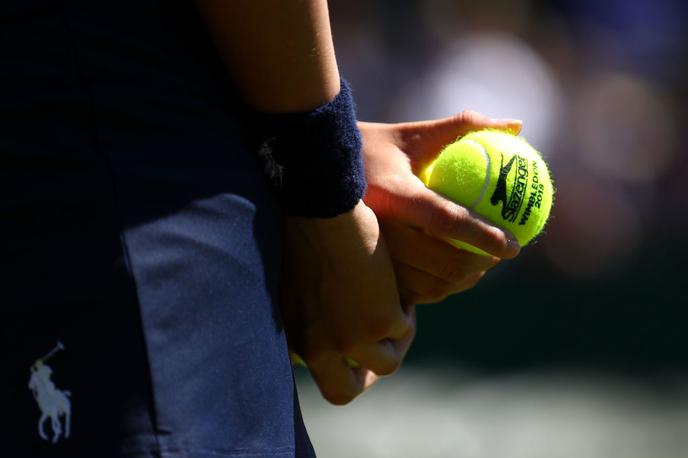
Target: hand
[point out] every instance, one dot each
(340, 300)
(417, 221)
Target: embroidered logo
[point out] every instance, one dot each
(55, 404)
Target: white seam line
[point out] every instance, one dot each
(488, 172)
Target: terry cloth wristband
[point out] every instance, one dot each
(313, 159)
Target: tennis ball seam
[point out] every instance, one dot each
(488, 173)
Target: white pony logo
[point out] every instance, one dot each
(54, 403)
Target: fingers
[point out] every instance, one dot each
(385, 357)
(382, 357)
(386, 324)
(427, 269)
(437, 257)
(427, 288)
(404, 343)
(470, 120)
(427, 138)
(338, 382)
(467, 121)
(445, 219)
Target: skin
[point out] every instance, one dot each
(348, 313)
(417, 221)
(343, 284)
(281, 57)
(279, 53)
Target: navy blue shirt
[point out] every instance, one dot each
(139, 246)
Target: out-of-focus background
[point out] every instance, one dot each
(579, 348)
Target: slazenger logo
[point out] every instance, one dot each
(511, 204)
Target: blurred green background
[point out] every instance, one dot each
(601, 87)
(594, 315)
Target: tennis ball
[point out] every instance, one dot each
(499, 176)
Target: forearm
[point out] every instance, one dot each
(279, 53)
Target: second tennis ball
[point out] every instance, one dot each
(500, 177)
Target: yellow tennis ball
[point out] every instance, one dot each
(499, 176)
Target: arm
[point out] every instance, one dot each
(339, 296)
(279, 53)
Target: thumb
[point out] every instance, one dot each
(427, 138)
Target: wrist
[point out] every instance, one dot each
(313, 159)
(358, 226)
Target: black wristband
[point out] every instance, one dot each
(313, 159)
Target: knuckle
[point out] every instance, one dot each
(473, 280)
(477, 277)
(396, 185)
(469, 117)
(420, 198)
(412, 332)
(487, 237)
(466, 115)
(450, 215)
(388, 366)
(451, 271)
(493, 239)
(437, 291)
(379, 328)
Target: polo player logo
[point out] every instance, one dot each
(54, 403)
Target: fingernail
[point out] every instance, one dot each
(513, 246)
(513, 125)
